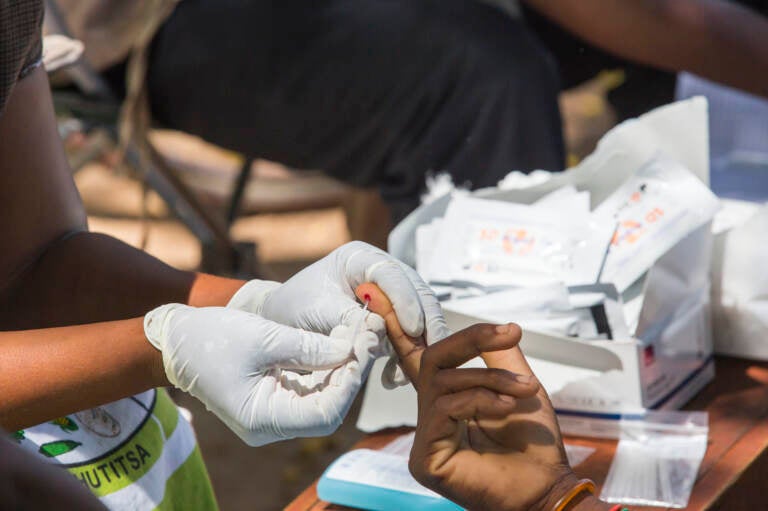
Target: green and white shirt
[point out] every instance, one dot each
(138, 453)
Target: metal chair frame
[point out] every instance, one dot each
(97, 107)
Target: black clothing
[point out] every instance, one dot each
(374, 92)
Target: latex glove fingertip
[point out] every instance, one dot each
(364, 345)
(252, 295)
(394, 282)
(437, 331)
(318, 352)
(393, 376)
(377, 325)
(383, 349)
(356, 317)
(155, 324)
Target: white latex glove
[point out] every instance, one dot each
(322, 296)
(365, 351)
(243, 368)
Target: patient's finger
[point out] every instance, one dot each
(469, 343)
(477, 402)
(511, 360)
(450, 381)
(408, 348)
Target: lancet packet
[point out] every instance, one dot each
(657, 459)
(654, 209)
(495, 244)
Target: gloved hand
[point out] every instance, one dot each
(243, 368)
(322, 296)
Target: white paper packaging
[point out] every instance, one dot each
(495, 243)
(655, 208)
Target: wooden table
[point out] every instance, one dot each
(734, 471)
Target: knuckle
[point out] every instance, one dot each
(480, 395)
(443, 405)
(429, 357)
(497, 378)
(441, 383)
(355, 247)
(425, 471)
(480, 330)
(487, 330)
(419, 470)
(416, 468)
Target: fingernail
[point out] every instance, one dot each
(503, 329)
(524, 378)
(507, 399)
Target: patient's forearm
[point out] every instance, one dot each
(93, 277)
(51, 372)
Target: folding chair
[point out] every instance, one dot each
(96, 109)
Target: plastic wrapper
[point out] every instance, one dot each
(657, 459)
(495, 243)
(657, 207)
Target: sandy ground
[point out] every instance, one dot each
(267, 478)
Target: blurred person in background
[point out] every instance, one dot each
(383, 92)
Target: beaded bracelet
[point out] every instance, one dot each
(585, 485)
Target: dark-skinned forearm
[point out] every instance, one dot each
(90, 277)
(51, 372)
(712, 38)
(52, 272)
(87, 278)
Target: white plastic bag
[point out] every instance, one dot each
(657, 459)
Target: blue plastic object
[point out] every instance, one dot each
(375, 498)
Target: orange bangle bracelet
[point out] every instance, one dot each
(584, 485)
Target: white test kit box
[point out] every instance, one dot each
(593, 383)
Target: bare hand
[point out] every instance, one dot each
(486, 438)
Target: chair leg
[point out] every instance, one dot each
(220, 254)
(238, 191)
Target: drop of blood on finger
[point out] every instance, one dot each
(367, 297)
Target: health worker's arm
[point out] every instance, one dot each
(54, 273)
(716, 39)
